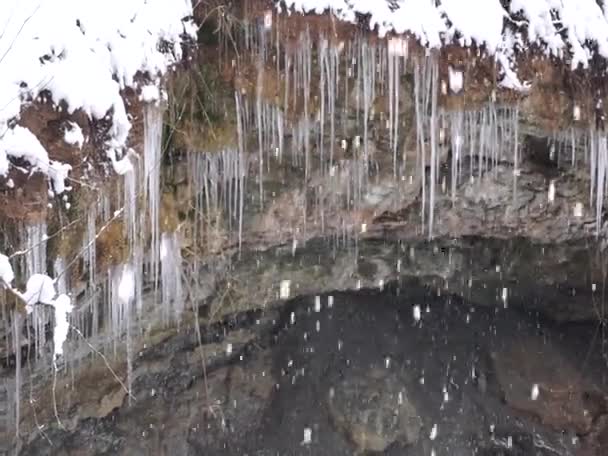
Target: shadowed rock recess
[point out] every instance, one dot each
(330, 244)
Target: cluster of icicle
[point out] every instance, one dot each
(40, 291)
(111, 305)
(158, 262)
(372, 71)
(41, 295)
(485, 137)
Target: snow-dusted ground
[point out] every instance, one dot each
(561, 27)
(83, 52)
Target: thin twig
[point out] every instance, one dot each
(10, 47)
(59, 423)
(31, 401)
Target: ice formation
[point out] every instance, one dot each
(171, 274)
(40, 290)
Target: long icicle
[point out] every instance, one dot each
(433, 177)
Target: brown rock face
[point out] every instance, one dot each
(536, 379)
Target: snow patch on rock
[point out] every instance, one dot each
(73, 135)
(83, 52)
(484, 22)
(40, 289)
(21, 143)
(6, 271)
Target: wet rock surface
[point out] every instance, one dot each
(403, 371)
(373, 410)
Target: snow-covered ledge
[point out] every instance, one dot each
(82, 52)
(565, 28)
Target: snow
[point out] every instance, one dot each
(58, 173)
(82, 52)
(478, 21)
(535, 392)
(73, 135)
(540, 25)
(416, 313)
(40, 288)
(126, 286)
(124, 165)
(434, 431)
(284, 289)
(6, 271)
(307, 436)
(583, 20)
(150, 93)
(456, 80)
(484, 22)
(509, 77)
(397, 47)
(268, 20)
(63, 306)
(20, 143)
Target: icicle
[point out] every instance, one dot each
(153, 128)
(395, 127)
(397, 48)
(433, 177)
(130, 204)
(35, 237)
(592, 165)
(391, 92)
(287, 87)
(307, 71)
(368, 70)
(17, 325)
(420, 108)
(123, 285)
(59, 272)
(322, 84)
(332, 75)
(89, 246)
(258, 110)
(171, 270)
(456, 144)
(242, 170)
(35, 263)
(515, 121)
(602, 163)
